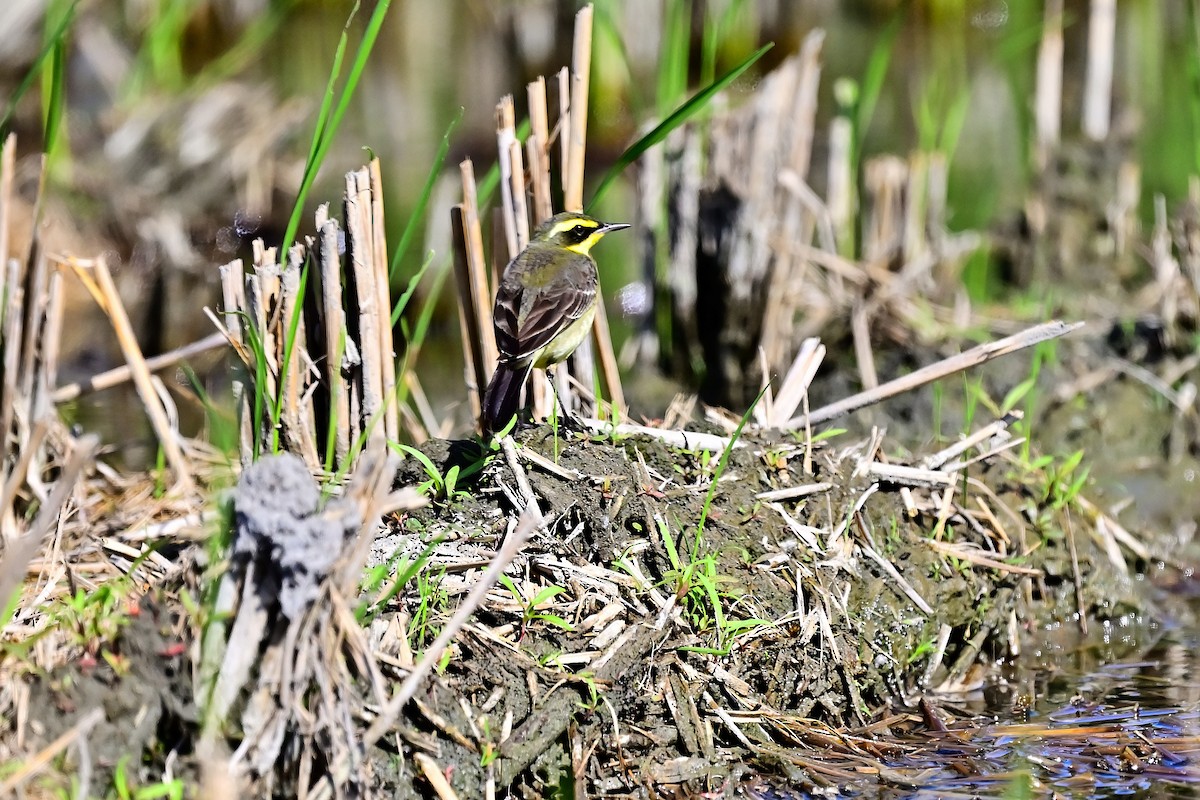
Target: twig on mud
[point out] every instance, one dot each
(514, 464)
(793, 492)
(969, 552)
(32, 765)
(971, 358)
(908, 476)
(938, 459)
(684, 440)
(891, 571)
(436, 777)
(724, 716)
(528, 523)
(538, 460)
(1112, 533)
(939, 652)
(548, 722)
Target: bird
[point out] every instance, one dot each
(544, 307)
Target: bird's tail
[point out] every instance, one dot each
(503, 393)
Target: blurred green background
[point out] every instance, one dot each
(186, 122)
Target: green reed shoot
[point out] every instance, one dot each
(680, 115)
(418, 213)
(331, 113)
(720, 470)
(52, 51)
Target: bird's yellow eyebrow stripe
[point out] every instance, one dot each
(568, 224)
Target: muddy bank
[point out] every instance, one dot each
(676, 658)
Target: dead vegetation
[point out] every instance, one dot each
(673, 608)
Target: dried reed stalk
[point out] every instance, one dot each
(336, 338)
(512, 231)
(475, 296)
(96, 277)
(8, 164)
(577, 124)
(564, 120)
(538, 145)
(957, 363)
(474, 367)
(1097, 90)
(884, 180)
(363, 285)
(387, 347)
(326, 340)
(297, 416)
(798, 217)
(1048, 94)
(233, 298)
(512, 182)
(757, 216)
(573, 200)
(13, 317)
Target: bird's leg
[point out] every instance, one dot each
(569, 421)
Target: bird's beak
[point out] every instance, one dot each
(613, 226)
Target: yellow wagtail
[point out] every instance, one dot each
(544, 307)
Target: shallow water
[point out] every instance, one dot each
(1130, 728)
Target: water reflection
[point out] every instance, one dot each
(1125, 729)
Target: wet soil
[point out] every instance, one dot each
(725, 655)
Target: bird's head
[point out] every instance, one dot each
(574, 231)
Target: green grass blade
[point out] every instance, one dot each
(403, 302)
(1193, 73)
(311, 164)
(418, 212)
(720, 470)
(52, 42)
(956, 118)
(329, 121)
(289, 348)
(681, 115)
(606, 27)
(715, 27)
(54, 81)
(673, 61)
(872, 83)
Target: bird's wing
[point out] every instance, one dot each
(529, 313)
(528, 319)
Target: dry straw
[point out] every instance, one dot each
(314, 337)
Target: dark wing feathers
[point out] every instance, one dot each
(528, 317)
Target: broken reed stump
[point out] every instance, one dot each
(314, 336)
(526, 201)
(765, 261)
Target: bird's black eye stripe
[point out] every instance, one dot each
(580, 233)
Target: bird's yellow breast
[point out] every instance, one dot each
(565, 342)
